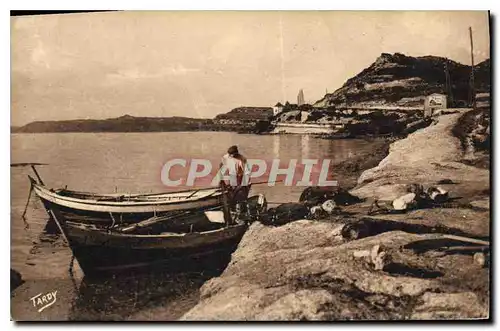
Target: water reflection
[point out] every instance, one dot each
(276, 146)
(138, 297)
(305, 149)
(155, 295)
(132, 163)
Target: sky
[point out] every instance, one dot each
(200, 64)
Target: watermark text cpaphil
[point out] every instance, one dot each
(292, 172)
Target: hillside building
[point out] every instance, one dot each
(433, 103)
(278, 108)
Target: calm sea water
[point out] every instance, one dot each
(126, 162)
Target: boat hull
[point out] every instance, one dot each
(108, 218)
(97, 262)
(137, 208)
(103, 253)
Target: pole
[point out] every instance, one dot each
(37, 175)
(473, 90)
(448, 88)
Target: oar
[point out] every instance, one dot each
(157, 219)
(256, 183)
(267, 182)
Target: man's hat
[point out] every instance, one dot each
(233, 150)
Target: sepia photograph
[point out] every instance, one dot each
(250, 166)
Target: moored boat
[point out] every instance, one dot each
(109, 209)
(101, 252)
(117, 233)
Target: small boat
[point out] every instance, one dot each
(116, 233)
(151, 244)
(109, 209)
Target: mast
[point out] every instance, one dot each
(472, 86)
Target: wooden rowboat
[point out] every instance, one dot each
(107, 209)
(102, 252)
(115, 233)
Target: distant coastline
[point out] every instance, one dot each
(129, 123)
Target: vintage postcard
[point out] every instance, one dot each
(250, 166)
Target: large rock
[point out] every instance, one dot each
(305, 271)
(448, 306)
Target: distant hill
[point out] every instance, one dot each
(241, 120)
(125, 123)
(247, 114)
(397, 80)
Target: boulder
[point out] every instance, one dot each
(405, 202)
(329, 206)
(437, 194)
(305, 271)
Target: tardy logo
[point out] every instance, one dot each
(44, 301)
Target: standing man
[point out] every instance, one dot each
(239, 174)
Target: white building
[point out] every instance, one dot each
(434, 102)
(278, 108)
(300, 98)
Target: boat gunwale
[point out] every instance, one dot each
(159, 236)
(54, 195)
(127, 195)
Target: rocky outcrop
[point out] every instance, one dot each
(129, 123)
(432, 156)
(425, 156)
(305, 270)
(399, 81)
(124, 123)
(247, 114)
(247, 119)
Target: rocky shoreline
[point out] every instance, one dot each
(402, 269)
